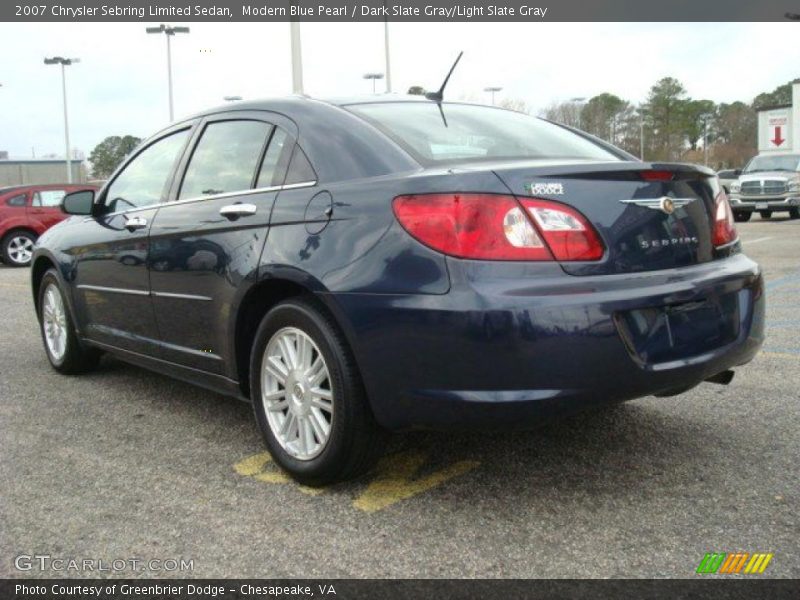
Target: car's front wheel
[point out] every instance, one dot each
(741, 217)
(17, 248)
(794, 213)
(308, 397)
(61, 343)
(765, 214)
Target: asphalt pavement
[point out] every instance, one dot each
(124, 464)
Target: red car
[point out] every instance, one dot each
(26, 212)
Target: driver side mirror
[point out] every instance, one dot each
(78, 203)
(737, 172)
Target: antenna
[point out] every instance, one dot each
(439, 96)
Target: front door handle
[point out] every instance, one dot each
(135, 223)
(234, 211)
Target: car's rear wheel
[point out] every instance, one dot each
(765, 214)
(308, 397)
(17, 248)
(61, 343)
(794, 213)
(741, 217)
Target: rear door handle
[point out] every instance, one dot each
(135, 223)
(234, 211)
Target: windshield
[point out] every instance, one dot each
(779, 162)
(475, 133)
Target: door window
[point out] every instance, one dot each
(270, 173)
(16, 200)
(144, 180)
(225, 158)
(48, 198)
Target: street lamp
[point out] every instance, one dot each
(641, 135)
(705, 117)
(169, 32)
(64, 62)
(492, 90)
(374, 77)
(232, 98)
(580, 101)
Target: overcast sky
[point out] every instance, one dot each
(120, 86)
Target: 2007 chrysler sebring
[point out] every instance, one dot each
(354, 267)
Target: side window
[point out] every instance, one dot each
(144, 180)
(16, 200)
(225, 158)
(48, 198)
(300, 170)
(270, 173)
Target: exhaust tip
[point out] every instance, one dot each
(723, 378)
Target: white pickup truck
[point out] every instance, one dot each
(769, 183)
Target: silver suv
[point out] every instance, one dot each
(769, 183)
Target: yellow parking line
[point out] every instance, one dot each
(15, 285)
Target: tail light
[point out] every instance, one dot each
(724, 231)
(495, 227)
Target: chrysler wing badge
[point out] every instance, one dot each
(665, 204)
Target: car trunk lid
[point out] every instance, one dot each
(650, 216)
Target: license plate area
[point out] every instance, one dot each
(672, 332)
(762, 205)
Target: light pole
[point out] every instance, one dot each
(297, 57)
(493, 90)
(231, 98)
(64, 62)
(386, 51)
(641, 135)
(374, 77)
(580, 101)
(169, 32)
(705, 117)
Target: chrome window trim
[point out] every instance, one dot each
(273, 188)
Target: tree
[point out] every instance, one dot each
(567, 113)
(516, 104)
(781, 95)
(734, 134)
(416, 90)
(665, 112)
(694, 113)
(109, 153)
(600, 114)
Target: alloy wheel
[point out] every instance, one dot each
(20, 249)
(54, 322)
(297, 393)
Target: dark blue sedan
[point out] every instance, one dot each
(359, 266)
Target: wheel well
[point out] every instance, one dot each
(38, 270)
(255, 305)
(17, 230)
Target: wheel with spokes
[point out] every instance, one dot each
(61, 343)
(17, 248)
(308, 397)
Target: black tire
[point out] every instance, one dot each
(355, 440)
(765, 214)
(9, 248)
(76, 358)
(794, 213)
(741, 217)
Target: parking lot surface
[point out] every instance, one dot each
(123, 463)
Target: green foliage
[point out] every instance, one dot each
(109, 153)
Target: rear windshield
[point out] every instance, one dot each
(467, 132)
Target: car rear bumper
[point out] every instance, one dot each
(504, 351)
